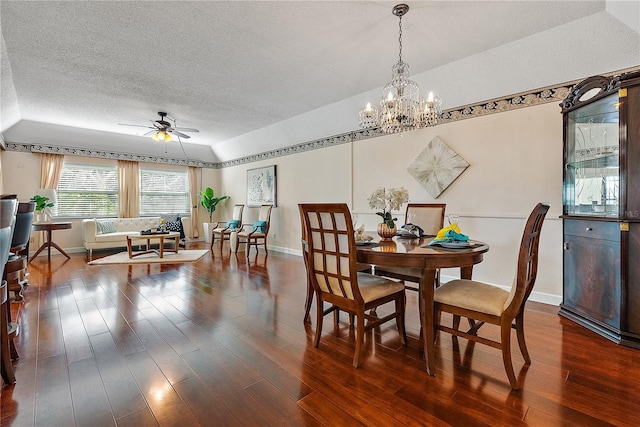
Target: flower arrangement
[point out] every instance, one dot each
(387, 201)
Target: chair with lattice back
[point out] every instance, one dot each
(333, 273)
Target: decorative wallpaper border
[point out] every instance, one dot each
(531, 98)
(82, 152)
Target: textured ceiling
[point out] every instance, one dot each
(230, 68)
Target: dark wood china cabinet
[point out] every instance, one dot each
(601, 207)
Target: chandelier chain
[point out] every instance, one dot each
(400, 38)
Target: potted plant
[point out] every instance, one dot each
(209, 201)
(43, 206)
(387, 201)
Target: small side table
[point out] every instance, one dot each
(49, 226)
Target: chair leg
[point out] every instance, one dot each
(266, 252)
(401, 303)
(505, 339)
(213, 240)
(456, 322)
(359, 338)
(307, 304)
(520, 334)
(248, 248)
(319, 318)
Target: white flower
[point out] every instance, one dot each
(387, 201)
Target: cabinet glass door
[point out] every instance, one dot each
(592, 177)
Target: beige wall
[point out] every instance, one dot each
(515, 161)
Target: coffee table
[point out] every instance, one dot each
(160, 237)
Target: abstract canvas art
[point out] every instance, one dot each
(437, 166)
(261, 186)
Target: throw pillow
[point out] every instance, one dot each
(173, 226)
(260, 226)
(105, 227)
(233, 224)
(98, 226)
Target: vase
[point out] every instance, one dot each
(385, 231)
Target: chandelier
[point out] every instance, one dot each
(400, 107)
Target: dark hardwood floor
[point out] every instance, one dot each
(220, 342)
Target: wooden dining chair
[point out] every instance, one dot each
(361, 267)
(485, 303)
(225, 228)
(257, 232)
(332, 270)
(8, 329)
(430, 217)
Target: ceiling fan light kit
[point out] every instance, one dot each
(162, 129)
(161, 136)
(400, 107)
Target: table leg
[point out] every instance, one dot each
(428, 326)
(48, 245)
(161, 246)
(58, 248)
(40, 249)
(466, 272)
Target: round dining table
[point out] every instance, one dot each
(408, 252)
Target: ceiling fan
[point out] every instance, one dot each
(161, 130)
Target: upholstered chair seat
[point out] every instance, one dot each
(472, 295)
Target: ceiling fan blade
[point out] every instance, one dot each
(137, 126)
(180, 134)
(186, 129)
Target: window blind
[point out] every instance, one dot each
(87, 191)
(164, 192)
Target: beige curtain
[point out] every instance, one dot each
(128, 189)
(50, 171)
(193, 192)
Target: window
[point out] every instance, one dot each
(87, 191)
(164, 192)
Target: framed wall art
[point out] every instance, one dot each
(437, 166)
(261, 186)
